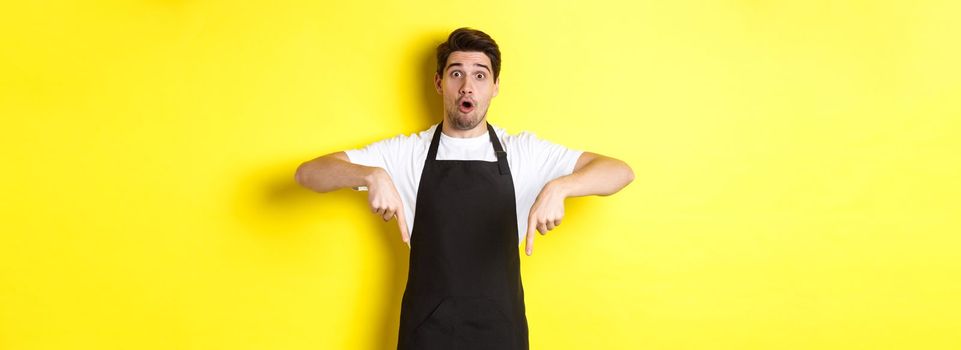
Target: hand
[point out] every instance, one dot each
(546, 213)
(385, 200)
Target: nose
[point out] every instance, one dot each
(467, 88)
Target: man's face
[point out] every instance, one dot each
(467, 85)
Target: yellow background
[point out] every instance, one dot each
(797, 163)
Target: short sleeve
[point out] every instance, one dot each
(549, 160)
(392, 154)
(374, 154)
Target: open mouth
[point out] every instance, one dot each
(466, 106)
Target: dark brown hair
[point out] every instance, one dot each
(467, 39)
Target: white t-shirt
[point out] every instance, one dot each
(533, 163)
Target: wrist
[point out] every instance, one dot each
(373, 175)
(561, 186)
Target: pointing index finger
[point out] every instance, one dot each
(530, 238)
(402, 222)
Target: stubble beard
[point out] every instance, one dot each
(462, 121)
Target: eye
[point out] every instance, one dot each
(455, 74)
(479, 75)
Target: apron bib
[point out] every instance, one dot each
(464, 287)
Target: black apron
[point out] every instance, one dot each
(464, 284)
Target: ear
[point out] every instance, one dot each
(497, 83)
(437, 86)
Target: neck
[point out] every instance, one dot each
(478, 130)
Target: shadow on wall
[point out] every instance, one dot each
(432, 105)
(276, 206)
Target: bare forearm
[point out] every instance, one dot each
(333, 171)
(601, 176)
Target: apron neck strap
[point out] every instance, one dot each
(498, 150)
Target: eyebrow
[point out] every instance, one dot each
(458, 64)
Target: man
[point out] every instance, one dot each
(474, 192)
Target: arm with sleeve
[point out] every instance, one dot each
(538, 162)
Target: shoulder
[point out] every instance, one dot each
(408, 140)
(522, 140)
(508, 138)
